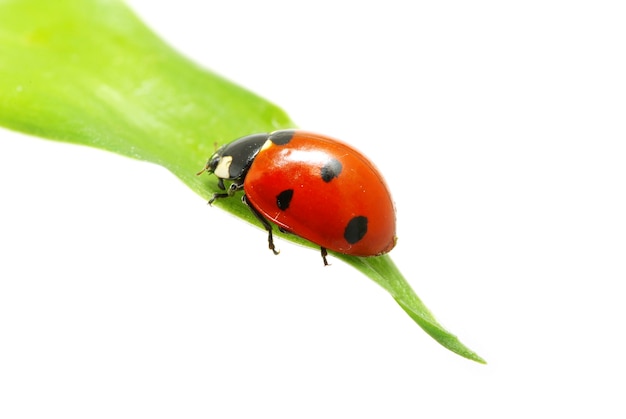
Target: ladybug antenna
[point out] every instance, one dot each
(205, 168)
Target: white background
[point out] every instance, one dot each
(501, 131)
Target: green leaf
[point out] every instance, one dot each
(90, 72)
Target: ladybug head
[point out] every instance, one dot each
(213, 162)
(233, 160)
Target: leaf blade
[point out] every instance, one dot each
(90, 72)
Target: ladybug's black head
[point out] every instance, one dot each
(213, 162)
(233, 160)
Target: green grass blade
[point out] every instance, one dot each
(90, 72)
(384, 272)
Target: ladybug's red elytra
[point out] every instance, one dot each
(310, 185)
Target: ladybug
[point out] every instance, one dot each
(310, 185)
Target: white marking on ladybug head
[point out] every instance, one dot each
(266, 145)
(223, 167)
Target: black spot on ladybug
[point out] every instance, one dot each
(331, 170)
(356, 229)
(283, 199)
(282, 137)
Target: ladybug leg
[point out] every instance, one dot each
(324, 254)
(234, 187)
(266, 225)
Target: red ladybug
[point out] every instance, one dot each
(310, 185)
